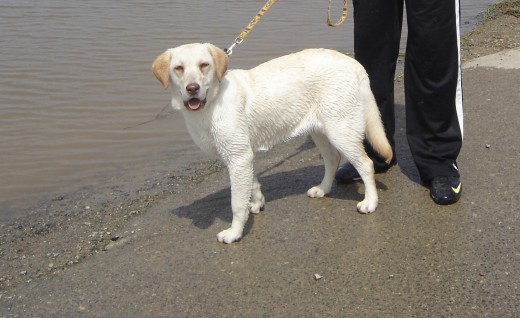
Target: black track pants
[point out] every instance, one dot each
(433, 93)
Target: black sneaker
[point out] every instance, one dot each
(445, 190)
(347, 173)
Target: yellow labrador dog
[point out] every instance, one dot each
(234, 113)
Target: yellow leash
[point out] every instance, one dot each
(250, 26)
(264, 9)
(341, 19)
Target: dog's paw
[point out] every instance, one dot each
(316, 192)
(229, 236)
(256, 207)
(366, 207)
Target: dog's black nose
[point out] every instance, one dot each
(193, 88)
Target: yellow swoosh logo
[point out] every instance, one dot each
(457, 189)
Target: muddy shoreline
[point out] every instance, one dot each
(69, 227)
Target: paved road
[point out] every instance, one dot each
(411, 258)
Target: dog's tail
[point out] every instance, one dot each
(375, 132)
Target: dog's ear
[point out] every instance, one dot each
(160, 68)
(221, 60)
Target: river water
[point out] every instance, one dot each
(75, 81)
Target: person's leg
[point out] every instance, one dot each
(377, 35)
(433, 88)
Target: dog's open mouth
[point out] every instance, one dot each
(195, 104)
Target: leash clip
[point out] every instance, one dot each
(229, 50)
(250, 26)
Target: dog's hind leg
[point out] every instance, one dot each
(365, 167)
(331, 158)
(353, 150)
(257, 198)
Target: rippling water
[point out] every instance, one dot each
(75, 80)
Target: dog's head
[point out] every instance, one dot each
(194, 70)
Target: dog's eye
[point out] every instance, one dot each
(203, 65)
(179, 68)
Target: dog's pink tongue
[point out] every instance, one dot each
(194, 103)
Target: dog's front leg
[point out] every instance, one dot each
(241, 177)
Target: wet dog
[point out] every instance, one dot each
(234, 113)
